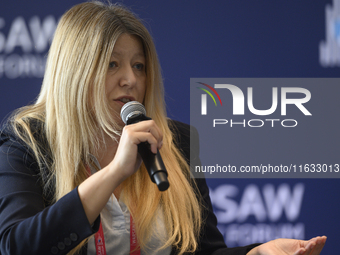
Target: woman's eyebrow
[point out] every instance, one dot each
(118, 54)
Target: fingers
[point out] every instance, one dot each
(150, 139)
(313, 247)
(126, 160)
(307, 250)
(300, 251)
(310, 246)
(319, 244)
(146, 131)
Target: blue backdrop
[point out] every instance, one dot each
(194, 39)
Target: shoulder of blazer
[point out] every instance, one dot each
(11, 143)
(181, 137)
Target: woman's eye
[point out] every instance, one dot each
(112, 64)
(139, 66)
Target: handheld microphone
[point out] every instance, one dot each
(134, 112)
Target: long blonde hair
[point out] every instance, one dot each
(73, 111)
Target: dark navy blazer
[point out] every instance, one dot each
(30, 224)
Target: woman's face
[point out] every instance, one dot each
(125, 80)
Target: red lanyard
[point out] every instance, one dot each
(100, 240)
(133, 239)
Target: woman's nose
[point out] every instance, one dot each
(128, 77)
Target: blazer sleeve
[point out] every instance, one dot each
(211, 240)
(27, 226)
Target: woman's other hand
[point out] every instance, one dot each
(290, 247)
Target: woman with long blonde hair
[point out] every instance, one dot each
(71, 178)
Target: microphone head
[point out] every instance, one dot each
(130, 109)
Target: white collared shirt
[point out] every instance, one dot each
(115, 219)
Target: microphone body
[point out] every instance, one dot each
(153, 162)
